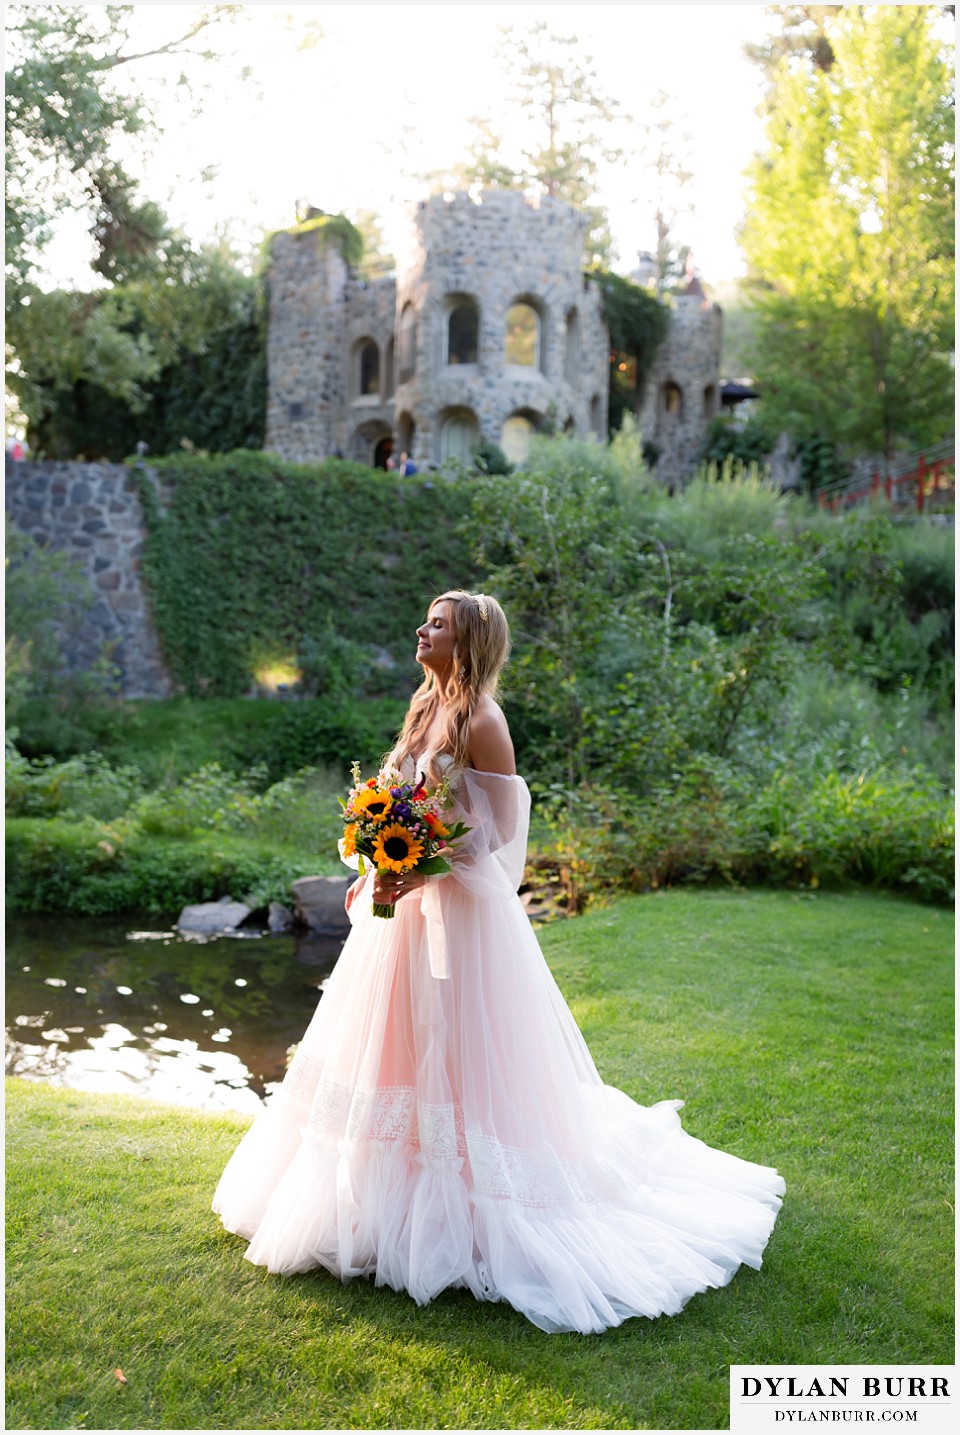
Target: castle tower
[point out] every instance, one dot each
(498, 332)
(682, 392)
(307, 293)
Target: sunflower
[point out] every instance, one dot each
(397, 849)
(373, 802)
(350, 839)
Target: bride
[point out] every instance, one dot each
(442, 1122)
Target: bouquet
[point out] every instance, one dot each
(397, 825)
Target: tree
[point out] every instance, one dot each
(849, 237)
(802, 38)
(565, 117)
(666, 159)
(64, 115)
(146, 360)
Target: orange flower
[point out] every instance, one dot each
(436, 826)
(350, 840)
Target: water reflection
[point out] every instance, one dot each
(95, 1005)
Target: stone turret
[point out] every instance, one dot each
(682, 391)
(498, 331)
(308, 285)
(491, 330)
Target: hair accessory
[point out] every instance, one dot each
(482, 605)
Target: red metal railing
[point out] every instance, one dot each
(923, 481)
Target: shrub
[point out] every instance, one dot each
(83, 786)
(49, 657)
(890, 828)
(751, 442)
(61, 865)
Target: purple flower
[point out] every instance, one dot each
(400, 809)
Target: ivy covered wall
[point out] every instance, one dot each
(257, 566)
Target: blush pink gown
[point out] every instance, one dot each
(443, 1123)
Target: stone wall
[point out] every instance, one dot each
(682, 392)
(92, 511)
(490, 253)
(306, 364)
(504, 249)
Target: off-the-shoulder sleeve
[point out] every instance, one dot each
(489, 860)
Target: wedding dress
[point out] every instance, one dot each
(443, 1123)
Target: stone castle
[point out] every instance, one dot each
(491, 331)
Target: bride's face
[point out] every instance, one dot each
(436, 639)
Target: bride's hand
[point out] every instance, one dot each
(388, 890)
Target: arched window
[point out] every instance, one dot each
(407, 344)
(571, 357)
(463, 333)
(672, 400)
(459, 436)
(388, 385)
(515, 437)
(368, 369)
(596, 416)
(710, 402)
(523, 336)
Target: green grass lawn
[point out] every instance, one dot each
(810, 1033)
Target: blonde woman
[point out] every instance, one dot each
(443, 1123)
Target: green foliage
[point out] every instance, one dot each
(638, 325)
(251, 560)
(83, 786)
(60, 864)
(173, 356)
(85, 837)
(890, 635)
(646, 630)
(891, 828)
(490, 458)
(47, 599)
(750, 442)
(849, 237)
(328, 229)
(167, 739)
(65, 118)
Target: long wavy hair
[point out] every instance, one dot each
(481, 649)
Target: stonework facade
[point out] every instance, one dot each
(682, 391)
(490, 331)
(92, 511)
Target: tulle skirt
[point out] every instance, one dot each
(443, 1124)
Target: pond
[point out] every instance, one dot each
(105, 1004)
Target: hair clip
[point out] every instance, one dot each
(482, 605)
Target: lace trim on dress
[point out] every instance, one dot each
(437, 1132)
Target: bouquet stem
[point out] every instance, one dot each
(384, 909)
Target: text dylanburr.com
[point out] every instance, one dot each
(768, 1398)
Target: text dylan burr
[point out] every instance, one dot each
(911, 1387)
